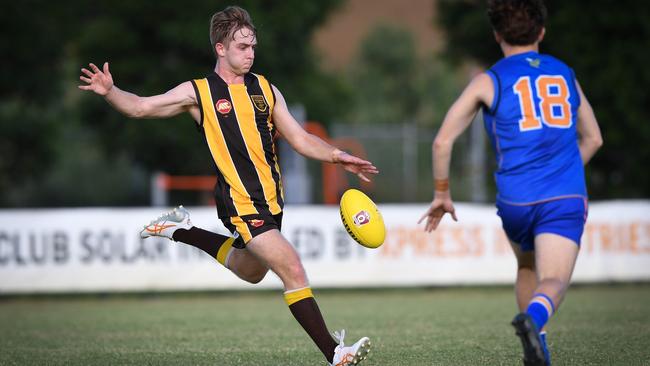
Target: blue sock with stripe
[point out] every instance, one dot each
(547, 354)
(540, 308)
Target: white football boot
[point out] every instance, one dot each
(166, 224)
(352, 355)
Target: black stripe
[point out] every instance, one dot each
(497, 92)
(237, 148)
(198, 100)
(266, 137)
(225, 205)
(222, 199)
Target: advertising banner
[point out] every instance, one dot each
(99, 250)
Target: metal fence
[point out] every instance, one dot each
(402, 152)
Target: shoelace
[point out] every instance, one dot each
(339, 336)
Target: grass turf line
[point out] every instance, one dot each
(597, 325)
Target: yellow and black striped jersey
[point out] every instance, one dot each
(236, 120)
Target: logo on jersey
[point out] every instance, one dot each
(534, 62)
(223, 106)
(361, 218)
(259, 102)
(256, 223)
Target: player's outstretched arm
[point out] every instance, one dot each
(179, 99)
(479, 91)
(589, 137)
(312, 146)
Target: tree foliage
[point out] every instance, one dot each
(606, 45)
(393, 84)
(384, 77)
(62, 146)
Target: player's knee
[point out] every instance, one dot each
(296, 272)
(557, 283)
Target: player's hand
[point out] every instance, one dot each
(439, 207)
(99, 81)
(354, 165)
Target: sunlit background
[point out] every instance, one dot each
(374, 77)
(380, 72)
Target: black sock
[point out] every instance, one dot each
(308, 314)
(205, 240)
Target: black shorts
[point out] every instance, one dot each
(250, 226)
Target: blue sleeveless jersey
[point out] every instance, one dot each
(532, 127)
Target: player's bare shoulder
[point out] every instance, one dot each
(483, 88)
(186, 93)
(280, 110)
(279, 98)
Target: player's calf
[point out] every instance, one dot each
(246, 266)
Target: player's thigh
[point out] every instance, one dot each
(558, 230)
(250, 226)
(272, 249)
(518, 224)
(555, 257)
(525, 258)
(243, 261)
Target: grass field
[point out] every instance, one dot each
(597, 325)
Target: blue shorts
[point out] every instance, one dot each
(522, 223)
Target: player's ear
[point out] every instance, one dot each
(541, 34)
(220, 48)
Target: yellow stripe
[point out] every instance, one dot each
(220, 154)
(246, 116)
(222, 254)
(277, 168)
(267, 90)
(292, 297)
(242, 228)
(268, 95)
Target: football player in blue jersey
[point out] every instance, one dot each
(543, 131)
